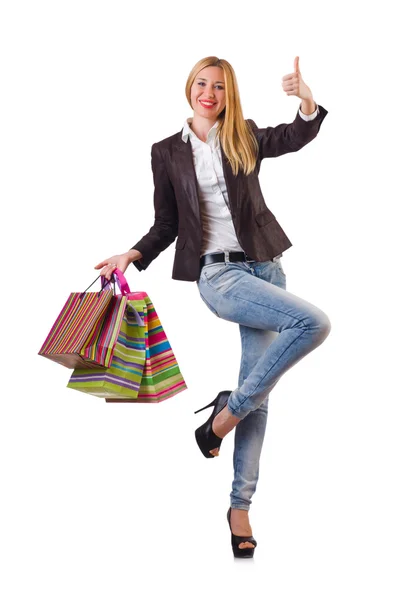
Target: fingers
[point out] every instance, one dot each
(109, 265)
(290, 84)
(290, 76)
(101, 264)
(108, 270)
(290, 79)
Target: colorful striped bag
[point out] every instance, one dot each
(144, 367)
(85, 332)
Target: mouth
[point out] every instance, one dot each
(207, 104)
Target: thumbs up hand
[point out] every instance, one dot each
(294, 85)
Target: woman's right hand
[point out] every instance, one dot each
(118, 261)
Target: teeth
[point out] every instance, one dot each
(207, 103)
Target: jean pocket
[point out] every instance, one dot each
(210, 272)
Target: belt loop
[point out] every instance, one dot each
(227, 259)
(247, 259)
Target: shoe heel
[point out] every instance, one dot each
(208, 405)
(205, 436)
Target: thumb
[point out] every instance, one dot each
(296, 64)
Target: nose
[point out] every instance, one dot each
(208, 94)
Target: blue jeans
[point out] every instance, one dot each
(277, 330)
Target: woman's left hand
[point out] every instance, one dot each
(294, 85)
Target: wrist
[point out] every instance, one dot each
(308, 106)
(133, 255)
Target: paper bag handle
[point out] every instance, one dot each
(117, 276)
(120, 280)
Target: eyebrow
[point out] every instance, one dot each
(206, 80)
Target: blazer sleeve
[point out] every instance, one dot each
(165, 228)
(287, 137)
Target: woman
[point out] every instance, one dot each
(207, 193)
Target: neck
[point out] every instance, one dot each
(201, 126)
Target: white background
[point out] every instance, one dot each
(108, 501)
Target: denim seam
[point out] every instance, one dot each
(260, 381)
(257, 303)
(243, 360)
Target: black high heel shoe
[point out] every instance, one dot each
(205, 437)
(238, 539)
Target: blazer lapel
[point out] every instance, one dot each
(232, 182)
(185, 167)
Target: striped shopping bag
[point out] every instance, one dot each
(144, 367)
(86, 329)
(161, 378)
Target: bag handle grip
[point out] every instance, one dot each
(117, 276)
(120, 280)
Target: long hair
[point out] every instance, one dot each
(236, 137)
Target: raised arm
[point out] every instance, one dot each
(287, 137)
(290, 137)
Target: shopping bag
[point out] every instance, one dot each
(85, 332)
(100, 347)
(144, 367)
(161, 378)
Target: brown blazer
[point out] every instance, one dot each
(176, 202)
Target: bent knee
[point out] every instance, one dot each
(324, 326)
(318, 323)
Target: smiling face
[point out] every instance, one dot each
(209, 85)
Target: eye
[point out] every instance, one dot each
(218, 86)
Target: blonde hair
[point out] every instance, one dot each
(235, 134)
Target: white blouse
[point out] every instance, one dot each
(218, 229)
